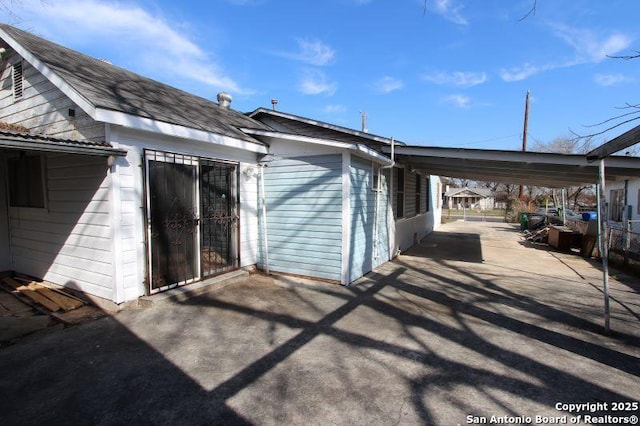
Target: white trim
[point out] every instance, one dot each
(346, 216)
(363, 150)
(115, 210)
(155, 126)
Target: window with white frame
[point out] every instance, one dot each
(426, 195)
(418, 193)
(375, 173)
(400, 194)
(26, 180)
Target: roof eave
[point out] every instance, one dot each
(358, 148)
(44, 145)
(325, 125)
(169, 129)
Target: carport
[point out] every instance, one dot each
(542, 169)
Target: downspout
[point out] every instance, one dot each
(376, 250)
(265, 248)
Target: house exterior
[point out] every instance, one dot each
(474, 198)
(120, 186)
(336, 202)
(623, 201)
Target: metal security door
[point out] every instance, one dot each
(219, 217)
(173, 219)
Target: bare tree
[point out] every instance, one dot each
(576, 195)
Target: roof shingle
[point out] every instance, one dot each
(109, 87)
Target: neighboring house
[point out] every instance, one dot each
(124, 186)
(470, 198)
(623, 201)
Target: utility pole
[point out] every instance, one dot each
(524, 134)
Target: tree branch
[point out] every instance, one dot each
(626, 57)
(532, 11)
(578, 136)
(612, 118)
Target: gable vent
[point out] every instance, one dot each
(17, 80)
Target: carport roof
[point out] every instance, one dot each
(525, 168)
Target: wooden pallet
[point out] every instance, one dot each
(52, 299)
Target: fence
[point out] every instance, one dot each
(624, 241)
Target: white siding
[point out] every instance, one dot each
(410, 230)
(43, 108)
(69, 242)
(249, 230)
(5, 252)
(133, 199)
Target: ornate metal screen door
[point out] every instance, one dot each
(173, 221)
(193, 220)
(219, 222)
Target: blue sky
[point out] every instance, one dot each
(453, 75)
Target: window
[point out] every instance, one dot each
(418, 193)
(616, 204)
(427, 200)
(17, 80)
(26, 185)
(400, 194)
(374, 172)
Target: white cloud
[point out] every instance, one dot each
(610, 79)
(154, 41)
(458, 79)
(335, 109)
(459, 101)
(448, 9)
(388, 84)
(520, 73)
(312, 52)
(588, 46)
(315, 82)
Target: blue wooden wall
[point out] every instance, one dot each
(363, 258)
(304, 215)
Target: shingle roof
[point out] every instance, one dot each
(109, 87)
(35, 142)
(299, 125)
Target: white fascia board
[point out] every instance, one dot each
(54, 78)
(147, 124)
(360, 149)
(373, 154)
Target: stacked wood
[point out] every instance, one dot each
(539, 236)
(53, 299)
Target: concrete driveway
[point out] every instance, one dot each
(469, 323)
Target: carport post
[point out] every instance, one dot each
(604, 244)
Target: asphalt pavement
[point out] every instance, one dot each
(469, 324)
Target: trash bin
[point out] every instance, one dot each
(524, 221)
(589, 216)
